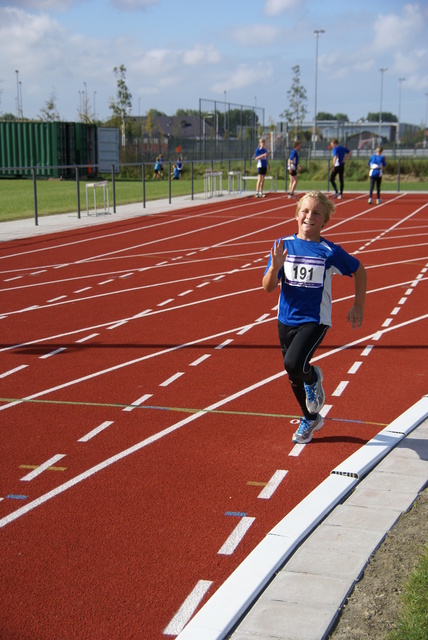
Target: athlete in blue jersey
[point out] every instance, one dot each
(293, 166)
(261, 155)
(376, 163)
(304, 264)
(339, 155)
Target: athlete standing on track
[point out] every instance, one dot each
(261, 155)
(339, 155)
(304, 264)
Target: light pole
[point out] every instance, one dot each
(317, 32)
(95, 111)
(382, 71)
(400, 80)
(426, 119)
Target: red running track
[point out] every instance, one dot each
(146, 419)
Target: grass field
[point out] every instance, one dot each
(60, 196)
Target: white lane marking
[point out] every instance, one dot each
(89, 337)
(367, 350)
(272, 485)
(118, 324)
(355, 367)
(82, 290)
(263, 317)
(224, 344)
(187, 609)
(340, 388)
(52, 353)
(105, 282)
(137, 403)
(58, 298)
(395, 311)
(245, 329)
(199, 360)
(162, 304)
(95, 431)
(141, 314)
(172, 379)
(296, 450)
(236, 536)
(15, 370)
(402, 301)
(185, 293)
(203, 284)
(41, 468)
(387, 322)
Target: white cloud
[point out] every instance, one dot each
(248, 35)
(38, 5)
(393, 31)
(274, 7)
(244, 76)
(133, 5)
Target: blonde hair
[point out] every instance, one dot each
(324, 201)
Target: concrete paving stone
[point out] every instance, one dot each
(392, 498)
(365, 518)
(341, 563)
(387, 481)
(302, 588)
(404, 464)
(285, 621)
(326, 539)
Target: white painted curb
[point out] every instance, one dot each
(223, 610)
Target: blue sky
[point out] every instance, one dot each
(179, 51)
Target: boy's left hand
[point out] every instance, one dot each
(355, 316)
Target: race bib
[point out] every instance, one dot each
(259, 163)
(304, 271)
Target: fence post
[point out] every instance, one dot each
(76, 168)
(191, 181)
(36, 217)
(113, 184)
(143, 176)
(398, 174)
(169, 182)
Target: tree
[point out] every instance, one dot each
(123, 103)
(297, 99)
(324, 115)
(49, 112)
(386, 117)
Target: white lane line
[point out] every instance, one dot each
(40, 469)
(185, 293)
(224, 344)
(95, 431)
(377, 336)
(296, 450)
(367, 350)
(272, 485)
(199, 360)
(52, 353)
(355, 367)
(236, 536)
(340, 388)
(118, 324)
(82, 290)
(105, 282)
(187, 609)
(14, 278)
(172, 379)
(162, 304)
(203, 284)
(395, 311)
(402, 301)
(58, 298)
(11, 371)
(89, 337)
(142, 313)
(263, 317)
(245, 329)
(137, 403)
(387, 322)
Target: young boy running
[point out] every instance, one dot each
(304, 264)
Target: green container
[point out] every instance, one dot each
(47, 146)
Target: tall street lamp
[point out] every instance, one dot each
(400, 80)
(317, 32)
(382, 71)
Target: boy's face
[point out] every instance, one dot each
(310, 220)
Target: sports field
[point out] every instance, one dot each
(146, 417)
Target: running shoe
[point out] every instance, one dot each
(339, 197)
(315, 396)
(335, 195)
(378, 201)
(306, 429)
(370, 201)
